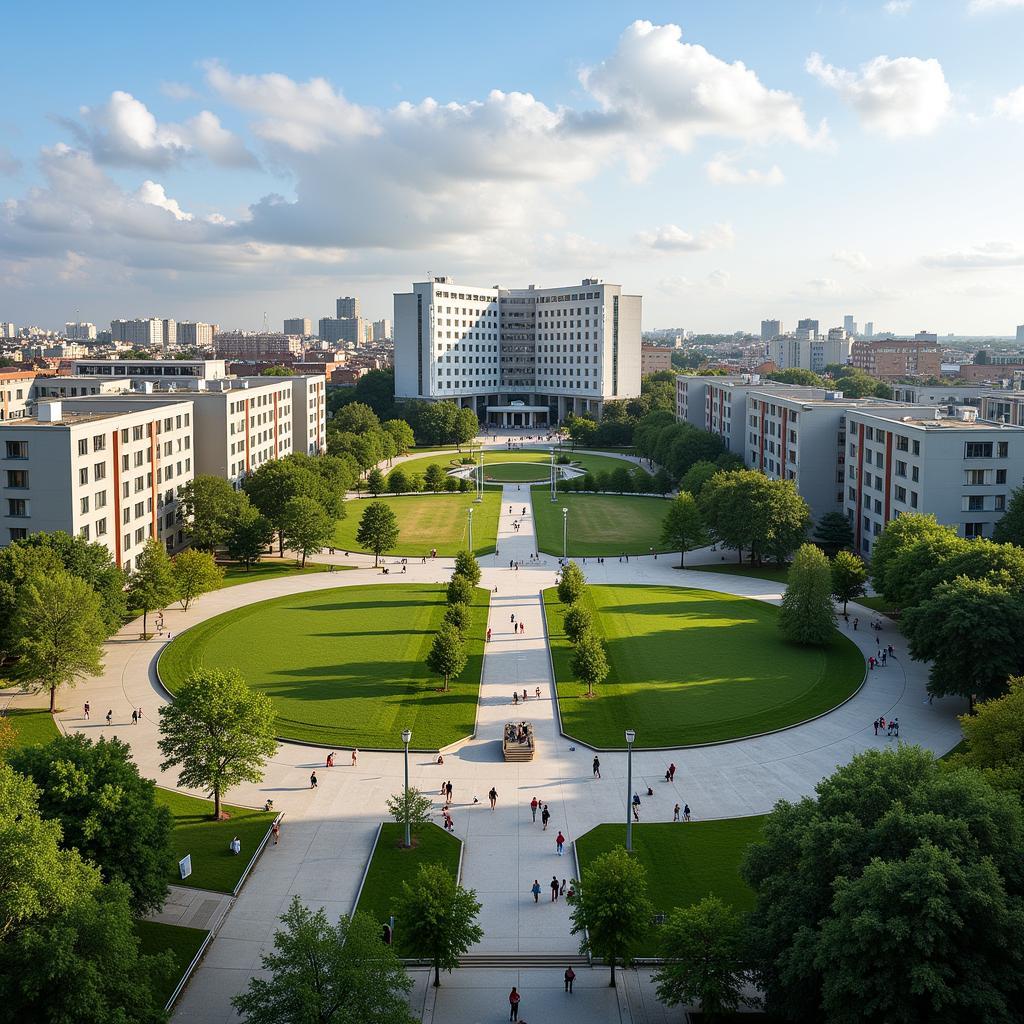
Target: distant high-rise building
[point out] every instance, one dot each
(926, 336)
(80, 332)
(1020, 334)
(256, 345)
(770, 329)
(346, 308)
(849, 324)
(381, 330)
(300, 325)
(869, 329)
(147, 333)
(811, 326)
(196, 334)
(348, 330)
(8, 330)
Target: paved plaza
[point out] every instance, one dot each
(327, 834)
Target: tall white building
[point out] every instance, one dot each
(381, 330)
(147, 333)
(849, 324)
(806, 352)
(521, 356)
(196, 334)
(80, 332)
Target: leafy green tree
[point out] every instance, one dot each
(320, 973)
(217, 732)
(375, 389)
(19, 564)
(208, 506)
(622, 480)
(378, 529)
(459, 616)
(398, 482)
(417, 805)
(576, 622)
(329, 479)
(834, 533)
(60, 633)
(375, 482)
(697, 476)
(589, 662)
(434, 422)
(447, 655)
(152, 585)
(434, 477)
(386, 445)
(703, 949)
(571, 584)
(581, 431)
(249, 536)
(307, 527)
(610, 907)
(436, 918)
(277, 371)
(466, 565)
(643, 482)
(460, 590)
(796, 375)
(356, 418)
(107, 811)
(849, 574)
(275, 483)
(401, 434)
(995, 737)
(465, 427)
(788, 520)
(683, 526)
(661, 482)
(962, 631)
(807, 615)
(416, 482)
(690, 447)
(899, 535)
(874, 888)
(737, 509)
(1010, 529)
(195, 573)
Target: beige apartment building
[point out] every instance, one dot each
(897, 357)
(654, 359)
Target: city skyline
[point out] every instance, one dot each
(727, 166)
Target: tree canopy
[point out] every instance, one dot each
(152, 584)
(378, 529)
(683, 526)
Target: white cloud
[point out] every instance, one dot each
(722, 170)
(896, 97)
(984, 6)
(178, 91)
(1010, 106)
(852, 258)
(982, 256)
(898, 7)
(670, 238)
(152, 193)
(719, 278)
(675, 285)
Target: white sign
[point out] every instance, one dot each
(185, 866)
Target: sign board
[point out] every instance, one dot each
(185, 866)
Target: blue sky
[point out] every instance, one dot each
(727, 160)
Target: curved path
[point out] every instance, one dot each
(327, 833)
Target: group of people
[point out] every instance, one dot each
(880, 657)
(514, 998)
(87, 714)
(545, 814)
(557, 889)
(516, 698)
(890, 728)
(517, 733)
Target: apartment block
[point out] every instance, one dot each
(15, 392)
(654, 359)
(195, 334)
(256, 345)
(110, 477)
(80, 331)
(299, 325)
(897, 357)
(813, 353)
(151, 369)
(342, 330)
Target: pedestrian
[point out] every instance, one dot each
(890, 650)
(449, 788)
(675, 813)
(140, 714)
(535, 889)
(686, 812)
(896, 727)
(597, 766)
(855, 622)
(512, 619)
(275, 831)
(871, 663)
(570, 977)
(522, 627)
(884, 656)
(881, 722)
(110, 716)
(312, 780)
(561, 892)
(876, 726)
(488, 633)
(545, 816)
(554, 888)
(355, 756)
(636, 806)
(672, 772)
(559, 843)
(493, 797)
(135, 717)
(86, 710)
(533, 808)
(513, 1004)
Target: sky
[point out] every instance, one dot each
(729, 160)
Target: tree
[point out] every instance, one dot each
(1010, 529)
(307, 527)
(433, 422)
(436, 918)
(703, 949)
(59, 631)
(277, 371)
(901, 534)
(19, 564)
(465, 427)
(324, 974)
(697, 476)
(194, 573)
(434, 477)
(375, 482)
(571, 584)
(460, 590)
(398, 482)
(107, 811)
(152, 585)
(208, 506)
(807, 615)
(447, 655)
(833, 533)
(610, 908)
(576, 622)
(401, 433)
(581, 431)
(459, 616)
(218, 732)
(683, 527)
(849, 574)
(788, 520)
(356, 418)
(378, 529)
(276, 482)
(467, 566)
(796, 375)
(249, 535)
(413, 803)
(962, 631)
(661, 482)
(622, 480)
(994, 737)
(589, 662)
(874, 888)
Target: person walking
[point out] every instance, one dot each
(672, 772)
(355, 756)
(513, 1004)
(275, 831)
(554, 888)
(312, 780)
(533, 808)
(686, 812)
(597, 766)
(875, 723)
(535, 889)
(86, 710)
(135, 717)
(110, 716)
(140, 714)
(570, 977)
(545, 816)
(493, 797)
(449, 789)
(896, 727)
(565, 883)
(488, 633)
(636, 806)
(675, 813)
(559, 843)
(330, 760)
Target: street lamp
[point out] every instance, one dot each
(479, 476)
(553, 498)
(630, 736)
(470, 510)
(565, 533)
(406, 736)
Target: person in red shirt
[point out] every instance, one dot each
(513, 1004)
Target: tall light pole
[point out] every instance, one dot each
(553, 488)
(630, 736)
(470, 511)
(479, 476)
(406, 736)
(565, 533)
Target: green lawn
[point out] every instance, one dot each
(428, 521)
(270, 570)
(516, 472)
(694, 666)
(344, 666)
(771, 573)
(183, 943)
(392, 864)
(214, 866)
(685, 861)
(502, 457)
(31, 726)
(601, 524)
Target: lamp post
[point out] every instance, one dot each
(479, 476)
(553, 488)
(630, 736)
(565, 533)
(406, 736)
(470, 511)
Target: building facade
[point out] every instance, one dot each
(342, 330)
(151, 369)
(256, 345)
(770, 329)
(299, 325)
(654, 359)
(196, 334)
(80, 332)
(896, 357)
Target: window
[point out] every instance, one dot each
(17, 478)
(976, 503)
(901, 494)
(1003, 449)
(1000, 476)
(17, 532)
(913, 499)
(17, 507)
(83, 476)
(974, 477)
(1000, 503)
(915, 474)
(84, 504)
(973, 530)
(978, 450)
(916, 447)
(101, 527)
(100, 499)
(84, 532)
(902, 443)
(137, 433)
(17, 449)
(901, 468)
(99, 471)
(83, 446)
(99, 443)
